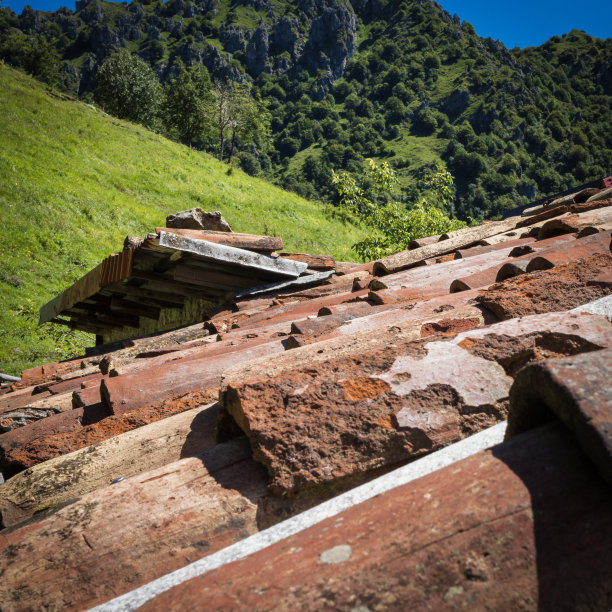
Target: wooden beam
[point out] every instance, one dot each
(182, 288)
(134, 307)
(168, 262)
(84, 324)
(195, 275)
(456, 240)
(157, 298)
(118, 319)
(85, 287)
(114, 268)
(82, 318)
(251, 242)
(223, 255)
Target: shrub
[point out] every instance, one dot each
(249, 163)
(396, 224)
(127, 88)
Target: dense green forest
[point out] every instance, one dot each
(74, 182)
(394, 80)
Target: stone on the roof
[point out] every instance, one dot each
(198, 219)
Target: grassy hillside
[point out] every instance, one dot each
(346, 80)
(74, 182)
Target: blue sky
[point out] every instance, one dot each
(524, 23)
(519, 23)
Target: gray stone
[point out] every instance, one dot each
(198, 219)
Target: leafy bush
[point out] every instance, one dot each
(249, 163)
(425, 123)
(184, 109)
(397, 224)
(127, 88)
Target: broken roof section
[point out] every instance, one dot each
(174, 276)
(351, 379)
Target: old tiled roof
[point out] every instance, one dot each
(164, 269)
(331, 442)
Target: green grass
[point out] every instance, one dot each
(75, 181)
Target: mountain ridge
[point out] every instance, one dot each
(396, 80)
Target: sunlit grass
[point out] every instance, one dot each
(74, 182)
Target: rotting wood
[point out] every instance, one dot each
(97, 425)
(142, 310)
(597, 218)
(65, 478)
(315, 262)
(213, 280)
(12, 442)
(166, 299)
(92, 550)
(487, 532)
(125, 393)
(34, 411)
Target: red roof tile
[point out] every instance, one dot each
(384, 370)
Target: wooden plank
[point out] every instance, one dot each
(222, 254)
(70, 476)
(137, 308)
(525, 525)
(166, 283)
(195, 275)
(456, 240)
(315, 262)
(166, 299)
(115, 267)
(249, 242)
(168, 262)
(193, 507)
(182, 286)
(85, 287)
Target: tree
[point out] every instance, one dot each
(251, 124)
(397, 224)
(185, 109)
(239, 116)
(127, 88)
(42, 60)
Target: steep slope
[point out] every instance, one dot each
(74, 181)
(400, 80)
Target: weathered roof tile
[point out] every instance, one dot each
(561, 288)
(575, 390)
(486, 532)
(367, 388)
